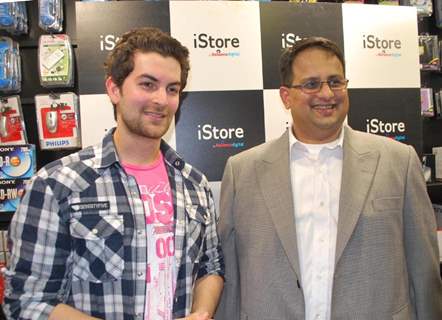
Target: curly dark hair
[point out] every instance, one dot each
(120, 61)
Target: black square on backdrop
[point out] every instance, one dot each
(215, 125)
(389, 112)
(283, 23)
(99, 25)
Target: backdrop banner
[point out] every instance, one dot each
(232, 102)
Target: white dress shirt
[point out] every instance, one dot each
(316, 184)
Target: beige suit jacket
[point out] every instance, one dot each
(387, 264)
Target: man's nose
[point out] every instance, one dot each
(160, 96)
(325, 90)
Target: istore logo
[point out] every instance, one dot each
(215, 125)
(289, 39)
(108, 42)
(382, 47)
(393, 130)
(220, 47)
(219, 136)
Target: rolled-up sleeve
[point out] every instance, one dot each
(36, 278)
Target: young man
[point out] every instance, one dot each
(327, 222)
(125, 229)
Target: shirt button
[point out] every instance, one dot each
(139, 274)
(321, 240)
(317, 316)
(177, 163)
(94, 231)
(140, 232)
(134, 193)
(138, 315)
(321, 203)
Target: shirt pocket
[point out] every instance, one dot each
(198, 218)
(387, 204)
(98, 246)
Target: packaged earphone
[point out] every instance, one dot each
(10, 66)
(427, 102)
(50, 15)
(12, 125)
(13, 17)
(424, 7)
(58, 121)
(56, 61)
(429, 52)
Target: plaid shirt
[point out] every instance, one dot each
(79, 237)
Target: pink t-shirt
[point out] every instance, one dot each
(161, 274)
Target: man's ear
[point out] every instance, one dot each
(284, 93)
(113, 91)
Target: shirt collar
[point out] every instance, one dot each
(109, 154)
(295, 143)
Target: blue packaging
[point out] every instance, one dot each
(17, 161)
(11, 191)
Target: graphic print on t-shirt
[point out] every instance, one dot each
(155, 192)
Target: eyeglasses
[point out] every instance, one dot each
(314, 86)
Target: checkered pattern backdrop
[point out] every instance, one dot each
(232, 101)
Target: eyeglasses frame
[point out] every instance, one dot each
(302, 88)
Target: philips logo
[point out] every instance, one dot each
(208, 132)
(383, 46)
(223, 47)
(289, 39)
(108, 42)
(59, 143)
(393, 130)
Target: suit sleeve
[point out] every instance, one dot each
(421, 245)
(230, 300)
(211, 262)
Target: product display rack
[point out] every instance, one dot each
(432, 127)
(31, 84)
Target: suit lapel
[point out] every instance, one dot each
(359, 167)
(273, 173)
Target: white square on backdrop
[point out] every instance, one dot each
(224, 40)
(381, 46)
